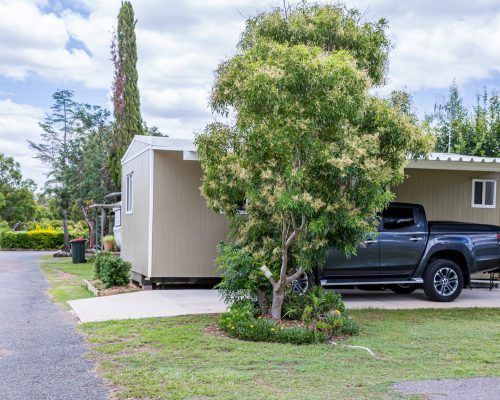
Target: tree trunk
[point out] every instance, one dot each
(91, 224)
(261, 298)
(278, 297)
(65, 230)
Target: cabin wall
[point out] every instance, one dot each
(447, 195)
(135, 226)
(185, 231)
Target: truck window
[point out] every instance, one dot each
(397, 218)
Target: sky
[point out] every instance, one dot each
(47, 45)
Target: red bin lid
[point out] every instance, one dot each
(78, 240)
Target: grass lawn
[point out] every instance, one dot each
(65, 278)
(173, 358)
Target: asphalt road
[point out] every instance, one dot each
(42, 356)
(453, 389)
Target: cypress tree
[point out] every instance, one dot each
(126, 101)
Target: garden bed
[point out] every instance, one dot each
(98, 288)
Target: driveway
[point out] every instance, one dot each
(42, 356)
(452, 389)
(388, 300)
(168, 303)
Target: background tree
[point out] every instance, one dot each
(17, 204)
(451, 122)
(59, 132)
(90, 178)
(474, 131)
(126, 101)
(310, 150)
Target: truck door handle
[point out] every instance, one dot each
(371, 241)
(416, 238)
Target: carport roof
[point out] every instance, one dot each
(442, 161)
(451, 161)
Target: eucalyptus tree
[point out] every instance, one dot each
(307, 147)
(59, 130)
(467, 130)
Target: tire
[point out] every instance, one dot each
(403, 289)
(302, 284)
(443, 280)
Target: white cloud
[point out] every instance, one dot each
(435, 42)
(180, 43)
(19, 123)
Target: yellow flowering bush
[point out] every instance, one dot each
(38, 239)
(240, 322)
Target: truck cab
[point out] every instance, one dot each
(409, 252)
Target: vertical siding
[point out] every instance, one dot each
(135, 226)
(185, 231)
(446, 195)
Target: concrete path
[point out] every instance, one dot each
(146, 304)
(453, 389)
(42, 356)
(168, 303)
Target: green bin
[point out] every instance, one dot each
(78, 250)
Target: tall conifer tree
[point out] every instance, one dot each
(126, 101)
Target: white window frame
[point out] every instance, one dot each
(129, 193)
(483, 181)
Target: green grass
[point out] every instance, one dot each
(173, 358)
(66, 278)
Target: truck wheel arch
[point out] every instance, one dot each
(457, 257)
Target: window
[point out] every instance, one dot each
(118, 216)
(397, 218)
(484, 193)
(129, 193)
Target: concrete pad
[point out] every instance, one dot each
(146, 304)
(388, 300)
(169, 303)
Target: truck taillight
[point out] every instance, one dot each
(498, 238)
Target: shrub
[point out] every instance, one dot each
(78, 229)
(240, 322)
(241, 278)
(312, 305)
(40, 239)
(111, 269)
(75, 228)
(4, 226)
(321, 307)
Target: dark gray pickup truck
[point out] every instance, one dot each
(409, 252)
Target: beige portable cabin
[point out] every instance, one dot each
(170, 235)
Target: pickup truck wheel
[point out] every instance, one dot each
(301, 284)
(403, 289)
(443, 280)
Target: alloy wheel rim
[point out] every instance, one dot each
(445, 281)
(301, 284)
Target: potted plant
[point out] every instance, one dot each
(109, 242)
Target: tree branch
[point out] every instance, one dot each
(294, 276)
(296, 232)
(268, 274)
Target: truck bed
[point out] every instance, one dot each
(451, 226)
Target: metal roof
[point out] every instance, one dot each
(461, 158)
(167, 143)
(460, 162)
